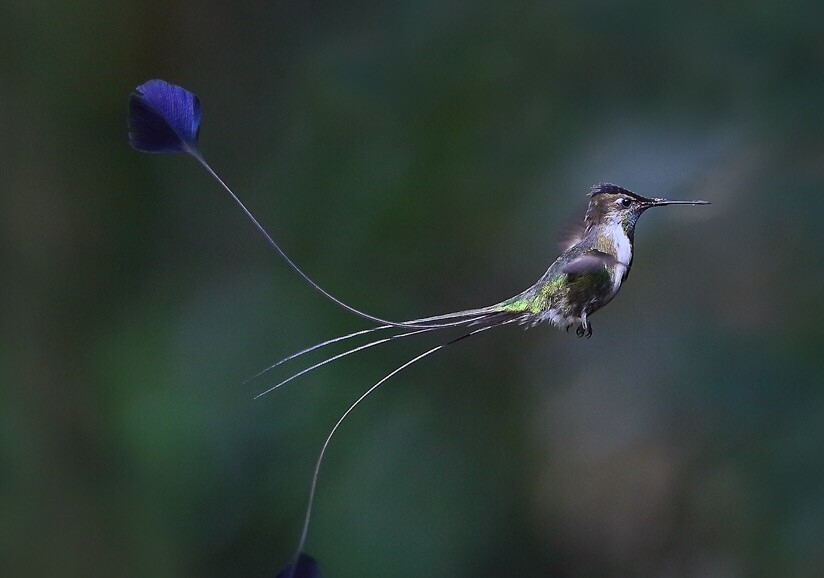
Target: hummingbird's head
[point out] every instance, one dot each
(612, 205)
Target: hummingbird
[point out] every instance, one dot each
(590, 272)
(164, 118)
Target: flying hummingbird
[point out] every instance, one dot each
(589, 273)
(165, 118)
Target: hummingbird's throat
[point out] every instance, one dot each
(615, 239)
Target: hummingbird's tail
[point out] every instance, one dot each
(472, 320)
(458, 318)
(483, 317)
(517, 307)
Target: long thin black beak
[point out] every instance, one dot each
(662, 202)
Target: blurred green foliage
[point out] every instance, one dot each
(415, 158)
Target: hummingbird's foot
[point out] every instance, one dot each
(584, 329)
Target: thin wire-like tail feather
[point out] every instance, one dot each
(344, 354)
(272, 243)
(317, 346)
(458, 318)
(363, 396)
(409, 333)
(462, 318)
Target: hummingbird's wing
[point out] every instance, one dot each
(572, 234)
(589, 262)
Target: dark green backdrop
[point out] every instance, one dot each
(415, 158)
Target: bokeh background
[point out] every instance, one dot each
(415, 158)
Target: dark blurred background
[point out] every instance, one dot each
(415, 158)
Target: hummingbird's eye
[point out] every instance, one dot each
(625, 202)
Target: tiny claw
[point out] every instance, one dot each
(584, 330)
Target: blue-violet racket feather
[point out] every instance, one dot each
(163, 118)
(304, 567)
